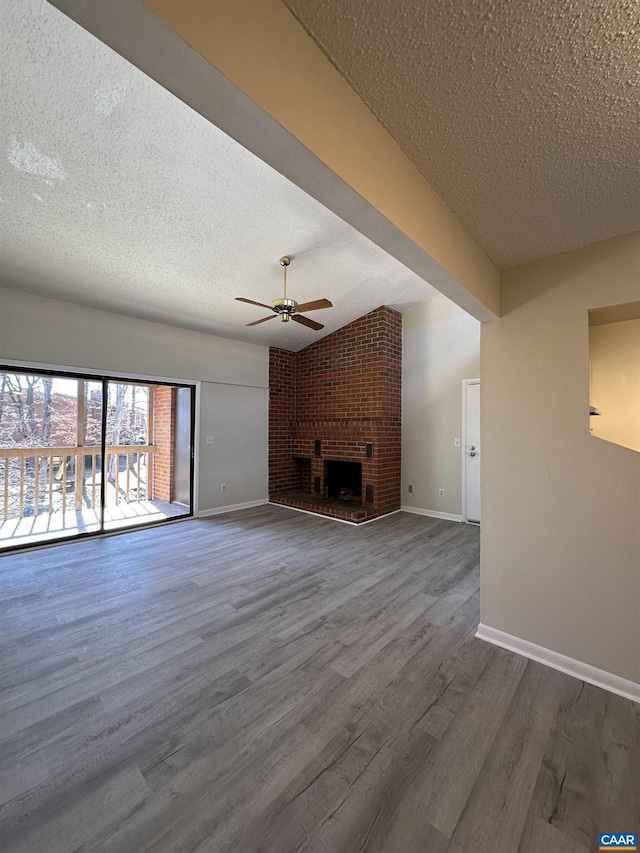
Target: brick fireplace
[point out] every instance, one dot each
(339, 400)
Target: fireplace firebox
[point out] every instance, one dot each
(343, 480)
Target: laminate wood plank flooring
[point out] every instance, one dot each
(276, 682)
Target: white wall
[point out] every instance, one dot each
(238, 418)
(234, 375)
(440, 348)
(614, 354)
(560, 528)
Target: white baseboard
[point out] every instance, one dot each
(220, 510)
(570, 666)
(378, 518)
(317, 514)
(432, 513)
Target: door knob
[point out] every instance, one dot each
(472, 453)
(472, 447)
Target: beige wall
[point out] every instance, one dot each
(614, 357)
(561, 512)
(440, 348)
(234, 375)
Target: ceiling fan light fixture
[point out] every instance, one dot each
(288, 309)
(284, 308)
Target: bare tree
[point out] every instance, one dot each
(26, 420)
(115, 419)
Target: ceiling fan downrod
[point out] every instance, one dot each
(284, 307)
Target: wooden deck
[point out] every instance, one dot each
(47, 527)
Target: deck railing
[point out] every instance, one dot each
(35, 480)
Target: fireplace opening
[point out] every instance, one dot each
(343, 480)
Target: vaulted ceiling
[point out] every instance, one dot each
(116, 195)
(523, 114)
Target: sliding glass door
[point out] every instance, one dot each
(81, 455)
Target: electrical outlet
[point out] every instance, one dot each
(441, 492)
(223, 487)
(410, 489)
(456, 442)
(211, 439)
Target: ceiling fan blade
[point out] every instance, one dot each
(305, 321)
(251, 302)
(264, 320)
(315, 306)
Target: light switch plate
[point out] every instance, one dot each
(211, 439)
(456, 442)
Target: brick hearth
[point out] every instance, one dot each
(344, 392)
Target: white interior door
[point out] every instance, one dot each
(471, 446)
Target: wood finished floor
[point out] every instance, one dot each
(271, 681)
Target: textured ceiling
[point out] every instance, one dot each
(523, 114)
(115, 194)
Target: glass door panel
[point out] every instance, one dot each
(82, 455)
(129, 415)
(140, 482)
(42, 459)
(89, 461)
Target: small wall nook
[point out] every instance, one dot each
(614, 374)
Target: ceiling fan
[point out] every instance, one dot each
(288, 309)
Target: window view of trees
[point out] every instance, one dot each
(28, 417)
(44, 412)
(127, 423)
(34, 414)
(127, 414)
